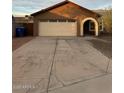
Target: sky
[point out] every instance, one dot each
(26, 7)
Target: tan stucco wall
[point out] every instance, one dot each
(67, 11)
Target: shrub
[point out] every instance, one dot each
(107, 19)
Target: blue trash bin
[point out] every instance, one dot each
(20, 31)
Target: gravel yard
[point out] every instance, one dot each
(19, 41)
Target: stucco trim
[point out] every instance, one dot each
(82, 25)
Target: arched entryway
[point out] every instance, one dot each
(89, 26)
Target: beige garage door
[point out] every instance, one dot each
(58, 28)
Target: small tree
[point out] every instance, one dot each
(107, 18)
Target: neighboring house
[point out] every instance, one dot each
(26, 22)
(13, 26)
(66, 19)
(26, 19)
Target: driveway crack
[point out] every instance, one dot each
(51, 67)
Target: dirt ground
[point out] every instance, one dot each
(103, 43)
(19, 41)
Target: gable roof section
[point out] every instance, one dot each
(60, 4)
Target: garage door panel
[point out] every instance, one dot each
(57, 28)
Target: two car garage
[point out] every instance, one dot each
(65, 19)
(57, 28)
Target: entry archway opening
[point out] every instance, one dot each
(89, 26)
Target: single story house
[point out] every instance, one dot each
(66, 19)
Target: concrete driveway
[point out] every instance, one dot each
(60, 65)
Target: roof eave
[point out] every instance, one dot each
(44, 10)
(61, 3)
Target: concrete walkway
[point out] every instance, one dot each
(60, 65)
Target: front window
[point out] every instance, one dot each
(101, 26)
(91, 26)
